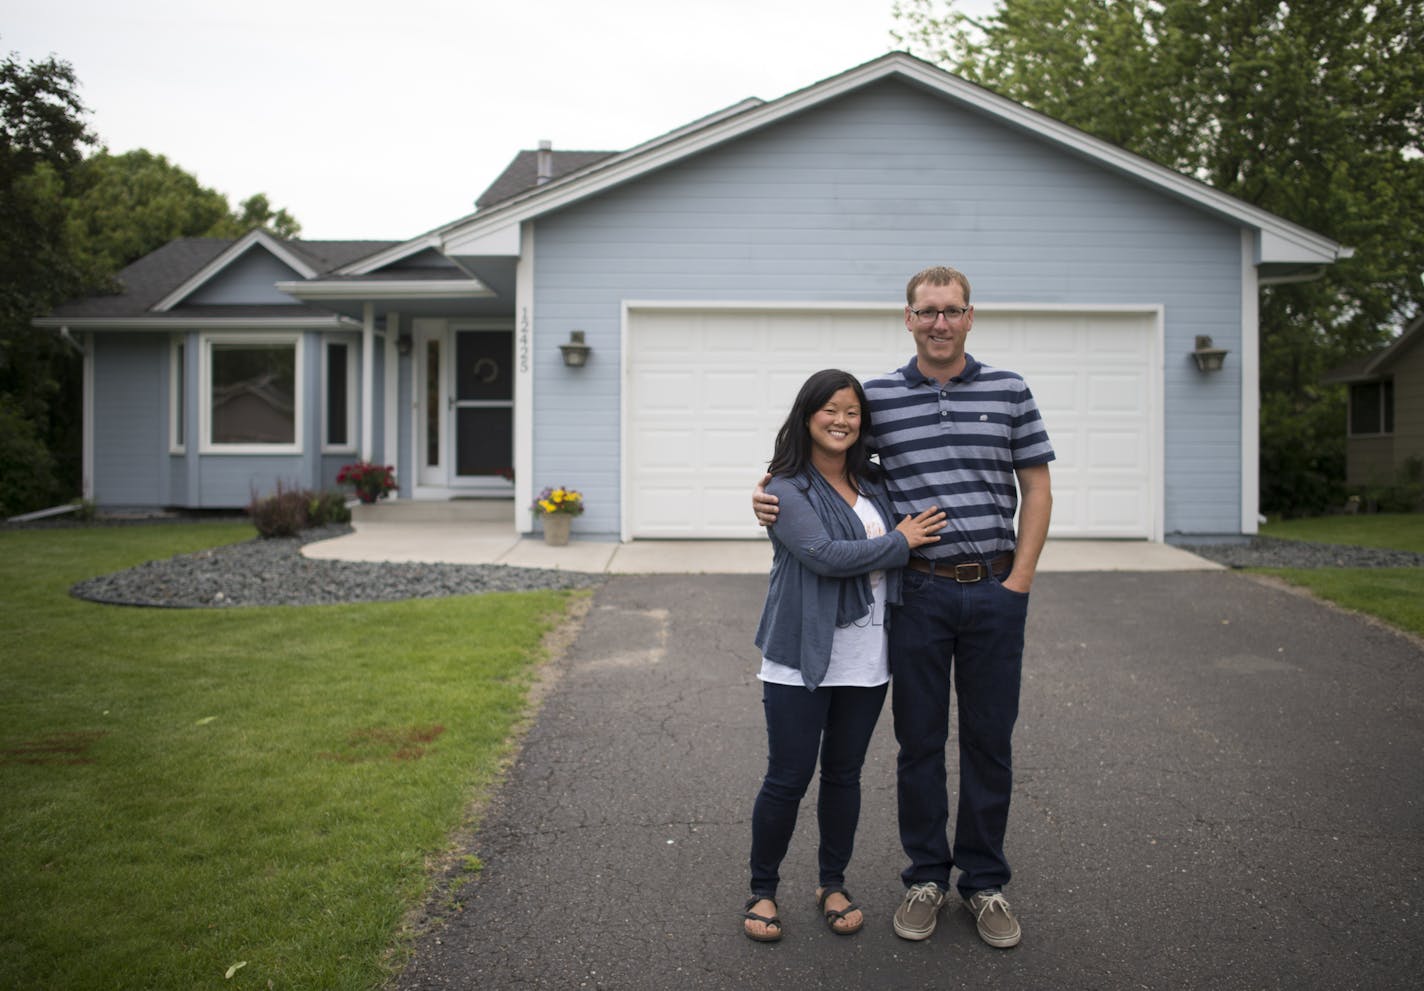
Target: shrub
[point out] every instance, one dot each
(328, 507)
(282, 514)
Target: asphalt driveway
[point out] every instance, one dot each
(1219, 785)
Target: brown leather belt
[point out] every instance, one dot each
(964, 571)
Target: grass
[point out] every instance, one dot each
(1395, 595)
(187, 791)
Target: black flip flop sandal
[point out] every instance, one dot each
(768, 921)
(834, 915)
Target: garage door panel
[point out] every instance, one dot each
(1113, 449)
(662, 390)
(1115, 394)
(730, 392)
(1055, 392)
(708, 390)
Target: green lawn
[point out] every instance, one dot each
(1395, 595)
(190, 790)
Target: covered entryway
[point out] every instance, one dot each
(464, 409)
(708, 389)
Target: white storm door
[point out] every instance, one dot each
(432, 391)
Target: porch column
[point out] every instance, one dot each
(368, 378)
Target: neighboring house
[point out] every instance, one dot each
(710, 270)
(1385, 429)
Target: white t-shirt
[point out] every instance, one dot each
(859, 653)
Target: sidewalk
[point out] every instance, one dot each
(497, 543)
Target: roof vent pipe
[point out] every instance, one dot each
(544, 167)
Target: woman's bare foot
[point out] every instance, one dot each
(837, 901)
(766, 929)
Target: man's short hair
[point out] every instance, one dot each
(936, 275)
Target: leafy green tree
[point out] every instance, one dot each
(68, 222)
(1309, 109)
(42, 140)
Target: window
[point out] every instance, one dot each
(251, 394)
(177, 396)
(1372, 408)
(339, 387)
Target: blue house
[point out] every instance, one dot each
(635, 324)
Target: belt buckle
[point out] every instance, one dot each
(968, 572)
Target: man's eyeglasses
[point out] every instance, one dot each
(950, 314)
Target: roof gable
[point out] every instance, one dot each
(1278, 241)
(214, 283)
(1380, 363)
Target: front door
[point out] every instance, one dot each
(465, 426)
(482, 432)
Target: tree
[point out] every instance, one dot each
(68, 224)
(124, 206)
(42, 139)
(1309, 109)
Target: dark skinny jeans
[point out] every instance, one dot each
(836, 723)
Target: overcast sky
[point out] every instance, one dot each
(370, 119)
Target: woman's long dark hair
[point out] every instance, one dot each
(792, 453)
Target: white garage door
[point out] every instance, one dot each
(708, 389)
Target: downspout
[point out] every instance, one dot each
(68, 338)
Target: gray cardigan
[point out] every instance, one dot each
(808, 568)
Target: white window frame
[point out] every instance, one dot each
(353, 395)
(205, 392)
(177, 394)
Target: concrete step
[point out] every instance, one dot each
(442, 511)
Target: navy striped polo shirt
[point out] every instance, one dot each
(956, 446)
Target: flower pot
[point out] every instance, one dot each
(556, 529)
(367, 497)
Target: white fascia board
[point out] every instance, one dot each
(1296, 242)
(502, 242)
(395, 253)
(171, 324)
(413, 289)
(235, 251)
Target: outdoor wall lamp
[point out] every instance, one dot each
(576, 351)
(403, 344)
(1208, 358)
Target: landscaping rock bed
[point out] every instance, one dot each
(272, 572)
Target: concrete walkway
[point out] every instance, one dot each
(498, 543)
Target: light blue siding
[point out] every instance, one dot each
(131, 462)
(250, 279)
(844, 203)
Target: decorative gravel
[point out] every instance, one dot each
(272, 572)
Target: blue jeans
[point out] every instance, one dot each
(836, 723)
(973, 633)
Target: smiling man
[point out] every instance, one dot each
(955, 433)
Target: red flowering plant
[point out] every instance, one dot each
(371, 481)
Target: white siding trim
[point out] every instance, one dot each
(368, 378)
(1250, 388)
(390, 388)
(524, 337)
